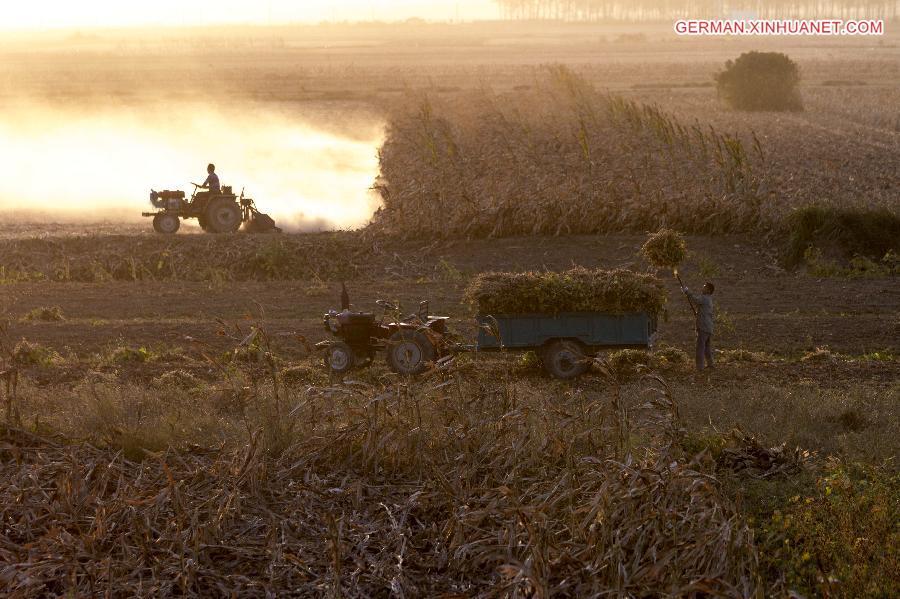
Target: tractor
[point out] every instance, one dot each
(410, 343)
(221, 212)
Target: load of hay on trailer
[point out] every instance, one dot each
(217, 212)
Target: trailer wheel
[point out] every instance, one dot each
(409, 352)
(565, 359)
(166, 223)
(223, 215)
(340, 358)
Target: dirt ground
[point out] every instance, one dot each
(762, 307)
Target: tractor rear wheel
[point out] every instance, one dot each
(409, 352)
(223, 215)
(166, 223)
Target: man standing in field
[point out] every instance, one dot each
(703, 308)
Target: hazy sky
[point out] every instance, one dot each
(41, 14)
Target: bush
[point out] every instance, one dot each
(178, 379)
(820, 354)
(528, 362)
(671, 357)
(760, 81)
(744, 355)
(859, 267)
(871, 233)
(626, 364)
(839, 538)
(214, 259)
(51, 314)
(577, 290)
(304, 374)
(130, 355)
(33, 354)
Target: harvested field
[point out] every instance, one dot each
(90, 259)
(168, 428)
(441, 509)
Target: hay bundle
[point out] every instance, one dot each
(578, 290)
(665, 249)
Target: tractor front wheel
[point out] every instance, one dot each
(340, 358)
(409, 352)
(223, 215)
(166, 223)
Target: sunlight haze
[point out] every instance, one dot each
(46, 14)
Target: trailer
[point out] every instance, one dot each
(565, 341)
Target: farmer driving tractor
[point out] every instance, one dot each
(216, 208)
(211, 184)
(212, 181)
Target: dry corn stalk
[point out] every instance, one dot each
(401, 490)
(577, 290)
(557, 159)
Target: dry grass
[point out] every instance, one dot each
(856, 423)
(468, 481)
(451, 485)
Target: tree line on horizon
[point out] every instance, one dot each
(650, 10)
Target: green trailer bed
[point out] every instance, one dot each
(565, 340)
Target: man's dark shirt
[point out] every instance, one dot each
(212, 183)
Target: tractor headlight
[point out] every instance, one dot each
(334, 325)
(331, 323)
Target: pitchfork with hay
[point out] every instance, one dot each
(666, 249)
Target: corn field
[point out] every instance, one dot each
(561, 158)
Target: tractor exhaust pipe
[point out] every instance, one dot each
(345, 297)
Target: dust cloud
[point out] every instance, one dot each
(309, 167)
